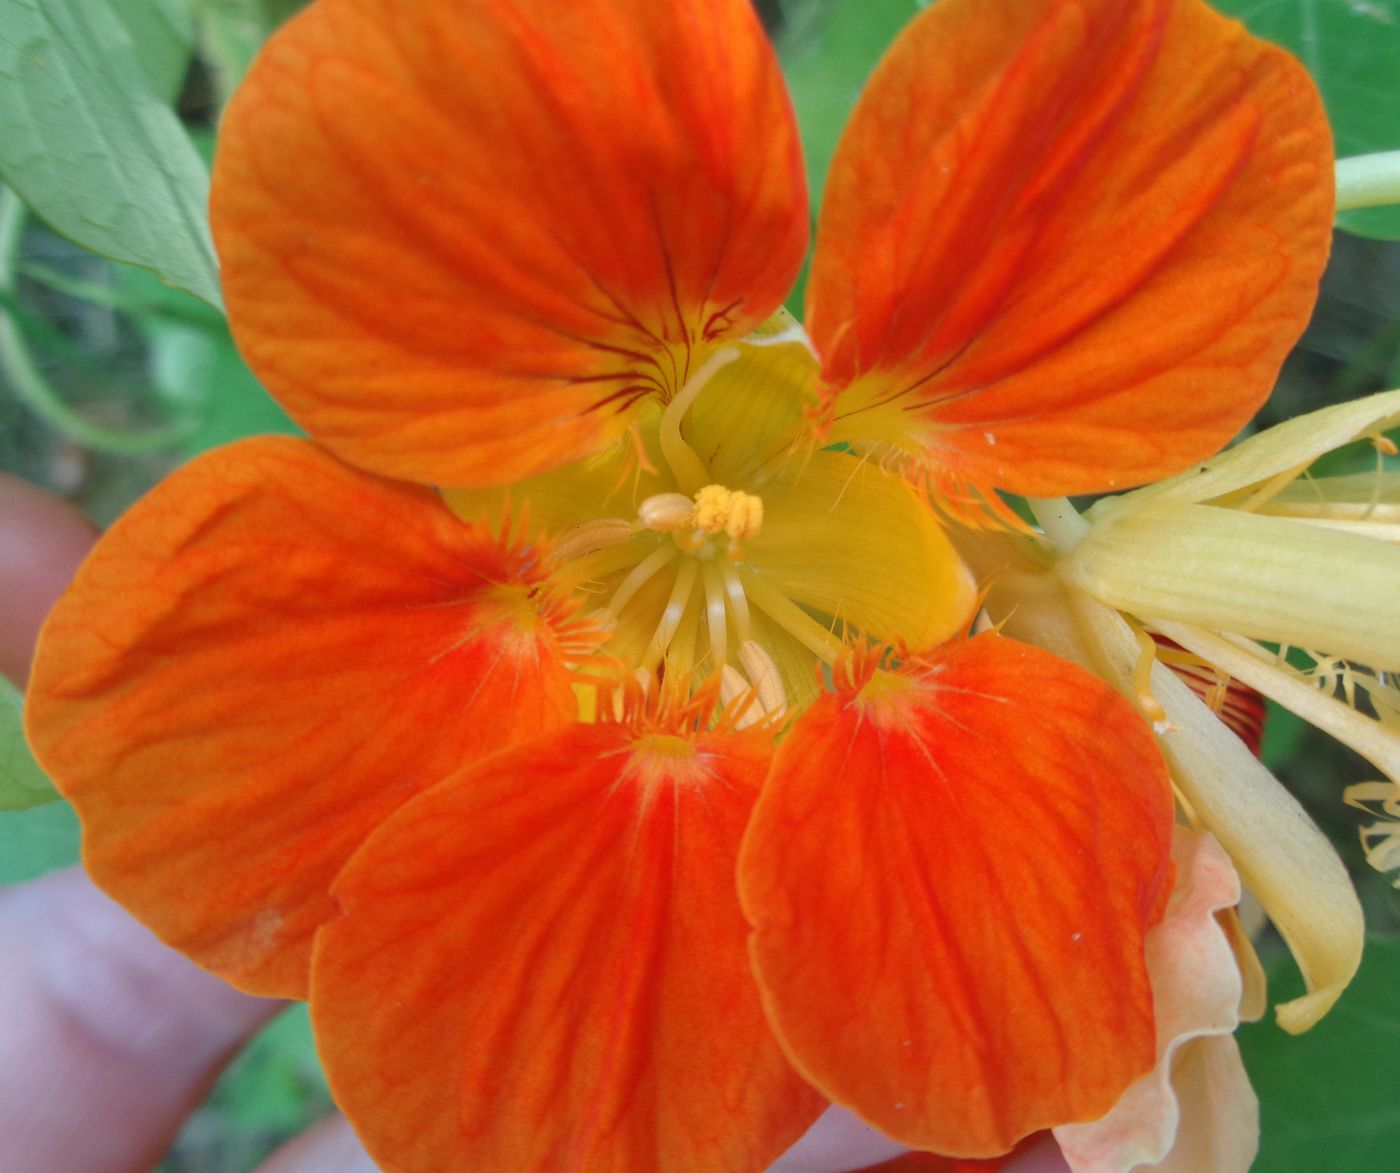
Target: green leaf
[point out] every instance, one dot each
(1351, 49)
(277, 1082)
(232, 31)
(828, 54)
(162, 33)
(1328, 1098)
(197, 370)
(36, 841)
(22, 782)
(91, 147)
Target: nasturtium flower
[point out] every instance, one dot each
(584, 719)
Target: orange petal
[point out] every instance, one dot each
(459, 240)
(260, 662)
(950, 875)
(1066, 244)
(541, 966)
(1196, 988)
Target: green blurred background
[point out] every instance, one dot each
(109, 378)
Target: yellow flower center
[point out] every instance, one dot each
(722, 544)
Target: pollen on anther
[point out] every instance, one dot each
(728, 511)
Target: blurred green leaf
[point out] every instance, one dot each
(829, 52)
(273, 1090)
(232, 31)
(200, 375)
(1330, 1099)
(1352, 50)
(277, 1082)
(162, 33)
(36, 841)
(92, 148)
(22, 782)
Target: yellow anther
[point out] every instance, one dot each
(591, 536)
(732, 686)
(728, 511)
(763, 671)
(667, 512)
(714, 510)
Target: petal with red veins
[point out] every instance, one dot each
(459, 240)
(1066, 244)
(541, 966)
(951, 863)
(259, 663)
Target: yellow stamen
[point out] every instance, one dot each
(672, 613)
(640, 575)
(716, 613)
(667, 512)
(591, 536)
(728, 511)
(763, 671)
(732, 686)
(713, 510)
(738, 601)
(791, 618)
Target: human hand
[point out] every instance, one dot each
(108, 1039)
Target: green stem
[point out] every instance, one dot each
(193, 313)
(1368, 181)
(27, 380)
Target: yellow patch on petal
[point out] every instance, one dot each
(720, 542)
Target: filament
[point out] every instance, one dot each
(640, 574)
(687, 468)
(791, 618)
(716, 617)
(672, 613)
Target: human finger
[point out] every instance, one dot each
(107, 1037)
(42, 540)
(329, 1146)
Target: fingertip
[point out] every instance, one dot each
(43, 540)
(102, 1025)
(329, 1146)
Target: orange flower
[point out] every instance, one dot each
(471, 757)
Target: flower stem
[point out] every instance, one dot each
(1367, 181)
